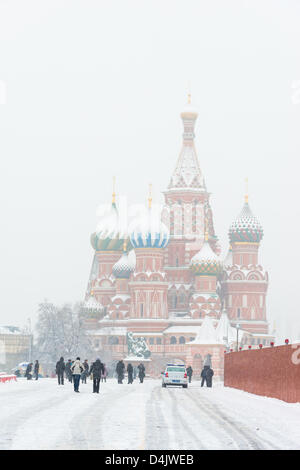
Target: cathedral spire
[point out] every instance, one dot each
(187, 174)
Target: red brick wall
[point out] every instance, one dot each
(271, 372)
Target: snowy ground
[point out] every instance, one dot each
(43, 415)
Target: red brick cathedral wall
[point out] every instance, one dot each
(271, 372)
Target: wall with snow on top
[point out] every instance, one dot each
(271, 372)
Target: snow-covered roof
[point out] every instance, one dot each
(225, 332)
(106, 331)
(181, 329)
(136, 359)
(10, 330)
(148, 333)
(206, 333)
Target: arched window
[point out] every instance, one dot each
(173, 340)
(192, 338)
(182, 340)
(239, 313)
(158, 340)
(113, 340)
(151, 341)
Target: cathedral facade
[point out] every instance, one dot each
(163, 279)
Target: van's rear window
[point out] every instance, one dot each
(175, 369)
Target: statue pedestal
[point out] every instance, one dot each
(136, 360)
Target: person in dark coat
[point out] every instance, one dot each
(36, 369)
(189, 372)
(60, 370)
(97, 369)
(85, 373)
(68, 370)
(142, 374)
(120, 371)
(130, 373)
(207, 374)
(28, 371)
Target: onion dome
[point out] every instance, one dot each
(206, 262)
(124, 266)
(92, 307)
(246, 227)
(149, 231)
(108, 236)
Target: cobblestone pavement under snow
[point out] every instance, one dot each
(43, 415)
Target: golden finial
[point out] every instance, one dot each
(246, 195)
(189, 93)
(150, 196)
(125, 245)
(114, 190)
(92, 292)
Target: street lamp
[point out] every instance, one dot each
(237, 335)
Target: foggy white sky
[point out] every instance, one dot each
(95, 88)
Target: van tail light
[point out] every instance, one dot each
(185, 375)
(166, 374)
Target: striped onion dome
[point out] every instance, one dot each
(206, 262)
(149, 231)
(108, 236)
(246, 227)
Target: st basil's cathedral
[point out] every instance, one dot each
(163, 280)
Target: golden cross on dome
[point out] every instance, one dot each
(189, 93)
(246, 194)
(150, 196)
(114, 190)
(124, 246)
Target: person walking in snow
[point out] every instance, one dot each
(209, 376)
(85, 373)
(130, 373)
(120, 371)
(77, 368)
(60, 370)
(206, 375)
(142, 374)
(68, 370)
(97, 369)
(189, 372)
(28, 371)
(105, 373)
(36, 369)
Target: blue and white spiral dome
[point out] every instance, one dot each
(148, 231)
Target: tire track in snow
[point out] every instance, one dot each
(88, 428)
(177, 416)
(265, 440)
(220, 438)
(242, 436)
(157, 435)
(10, 426)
